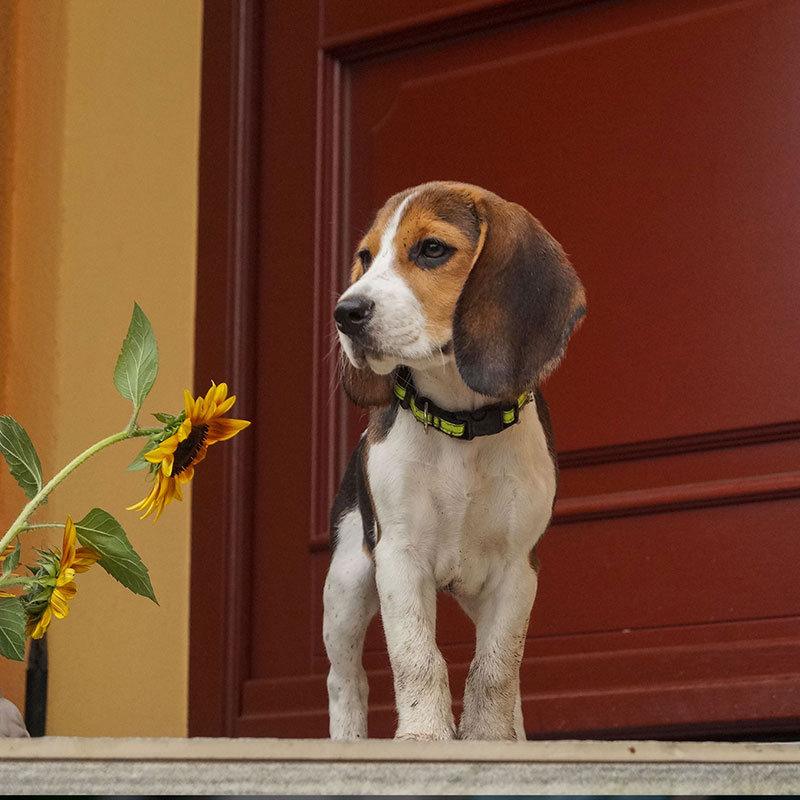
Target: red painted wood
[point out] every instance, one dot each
(608, 138)
(350, 19)
(653, 140)
(280, 614)
(222, 496)
(353, 30)
(678, 498)
(703, 679)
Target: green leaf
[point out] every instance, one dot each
(18, 580)
(166, 419)
(11, 561)
(20, 455)
(139, 462)
(137, 365)
(100, 531)
(12, 629)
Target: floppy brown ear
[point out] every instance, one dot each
(363, 386)
(519, 305)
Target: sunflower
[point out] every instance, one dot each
(56, 570)
(175, 457)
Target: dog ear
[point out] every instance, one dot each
(519, 305)
(364, 387)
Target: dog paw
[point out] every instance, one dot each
(487, 732)
(490, 736)
(439, 735)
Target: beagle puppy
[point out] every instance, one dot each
(459, 304)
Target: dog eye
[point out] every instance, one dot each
(433, 248)
(430, 253)
(366, 259)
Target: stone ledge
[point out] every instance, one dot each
(56, 765)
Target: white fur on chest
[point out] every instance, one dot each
(462, 509)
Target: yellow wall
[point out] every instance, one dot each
(103, 114)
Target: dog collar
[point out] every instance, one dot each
(466, 425)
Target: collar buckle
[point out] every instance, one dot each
(483, 422)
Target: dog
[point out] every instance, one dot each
(459, 304)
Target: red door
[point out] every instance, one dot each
(658, 142)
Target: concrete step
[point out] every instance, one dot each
(61, 765)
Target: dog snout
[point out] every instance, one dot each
(353, 314)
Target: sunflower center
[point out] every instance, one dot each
(187, 450)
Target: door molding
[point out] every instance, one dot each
(227, 246)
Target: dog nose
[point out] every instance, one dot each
(353, 314)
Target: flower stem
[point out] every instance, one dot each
(20, 523)
(41, 525)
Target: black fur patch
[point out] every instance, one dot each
(515, 313)
(453, 208)
(381, 421)
(347, 497)
(354, 493)
(365, 506)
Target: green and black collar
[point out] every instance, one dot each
(465, 425)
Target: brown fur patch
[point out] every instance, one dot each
(364, 387)
(443, 212)
(372, 239)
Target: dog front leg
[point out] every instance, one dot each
(408, 607)
(492, 707)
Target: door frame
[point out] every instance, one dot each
(227, 246)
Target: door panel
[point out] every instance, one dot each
(657, 142)
(652, 177)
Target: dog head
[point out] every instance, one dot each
(452, 270)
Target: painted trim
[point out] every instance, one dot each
(222, 500)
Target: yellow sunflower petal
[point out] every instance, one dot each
(166, 492)
(58, 601)
(186, 475)
(223, 408)
(184, 430)
(65, 576)
(199, 413)
(67, 591)
(188, 403)
(142, 503)
(167, 464)
(148, 503)
(211, 394)
(60, 609)
(220, 394)
(37, 628)
(163, 502)
(84, 558)
(68, 546)
(59, 606)
(167, 447)
(221, 429)
(201, 454)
